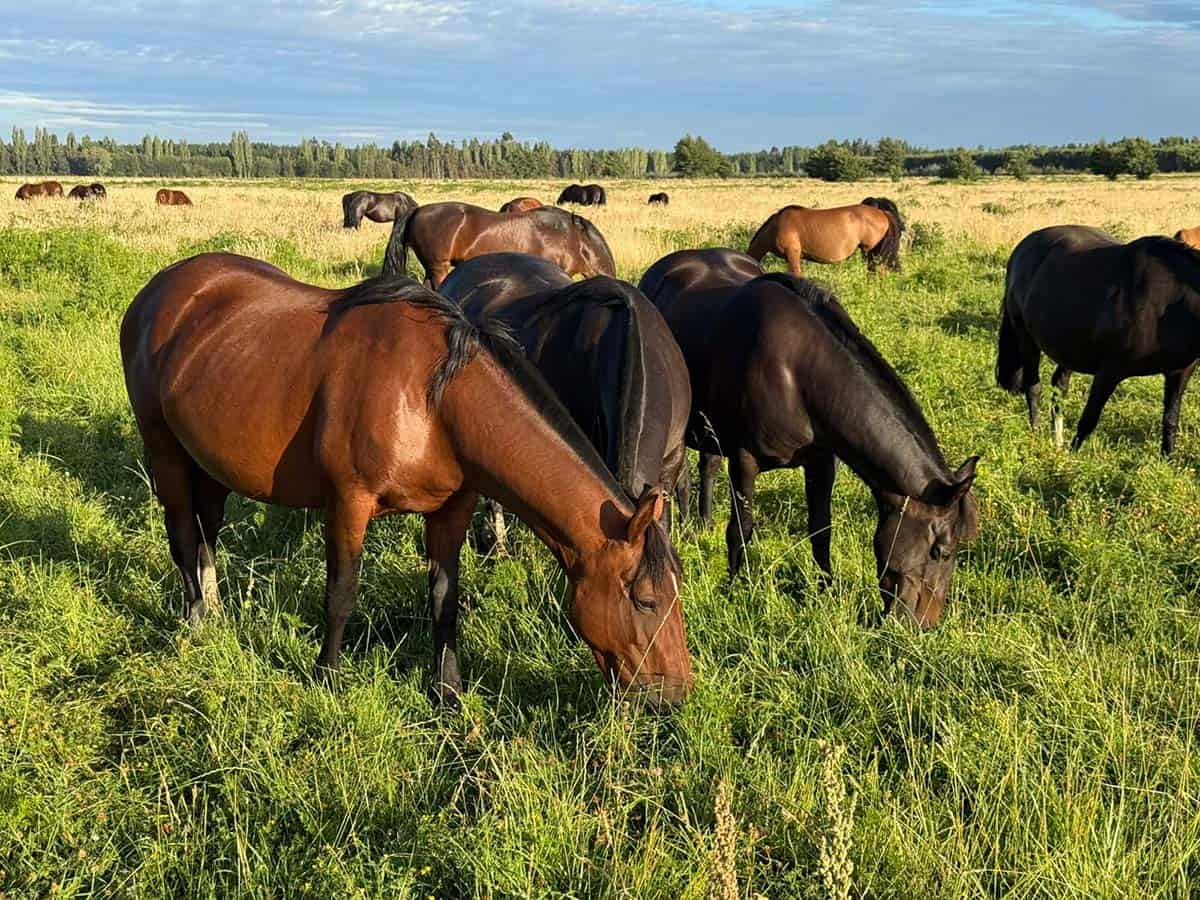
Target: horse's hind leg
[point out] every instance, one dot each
(1103, 386)
(1176, 383)
(710, 464)
(1031, 365)
(445, 530)
(1061, 382)
(208, 501)
(819, 475)
(173, 473)
(346, 522)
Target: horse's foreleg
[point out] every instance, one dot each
(346, 521)
(1103, 386)
(1176, 383)
(445, 531)
(683, 491)
(1061, 382)
(795, 259)
(743, 470)
(818, 491)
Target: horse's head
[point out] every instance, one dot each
(916, 543)
(626, 606)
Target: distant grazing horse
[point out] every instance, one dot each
(1095, 305)
(375, 206)
(94, 191)
(168, 197)
(660, 199)
(797, 233)
(603, 347)
(39, 189)
(781, 377)
(583, 195)
(446, 234)
(521, 204)
(376, 399)
(1189, 236)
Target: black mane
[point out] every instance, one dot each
(870, 362)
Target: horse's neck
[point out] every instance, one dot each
(873, 435)
(510, 452)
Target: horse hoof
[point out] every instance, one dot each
(447, 696)
(324, 675)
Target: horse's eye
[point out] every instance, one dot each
(645, 604)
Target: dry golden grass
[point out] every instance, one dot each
(994, 211)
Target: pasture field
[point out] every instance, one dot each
(1044, 741)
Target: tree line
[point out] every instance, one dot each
(505, 157)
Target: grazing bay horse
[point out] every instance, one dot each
(604, 349)
(659, 199)
(1189, 236)
(781, 377)
(521, 204)
(1095, 305)
(445, 234)
(797, 233)
(39, 189)
(376, 399)
(378, 207)
(94, 191)
(168, 197)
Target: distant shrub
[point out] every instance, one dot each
(1118, 229)
(1018, 163)
(995, 209)
(960, 166)
(926, 235)
(833, 162)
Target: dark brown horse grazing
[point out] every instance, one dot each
(583, 195)
(376, 399)
(94, 191)
(603, 347)
(39, 189)
(375, 206)
(1095, 305)
(168, 197)
(521, 204)
(797, 233)
(781, 377)
(659, 199)
(446, 234)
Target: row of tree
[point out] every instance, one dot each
(507, 157)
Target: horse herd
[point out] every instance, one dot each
(94, 191)
(573, 403)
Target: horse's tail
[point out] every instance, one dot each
(351, 215)
(395, 257)
(887, 251)
(1178, 235)
(1010, 371)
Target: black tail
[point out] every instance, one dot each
(351, 214)
(887, 251)
(633, 401)
(1010, 371)
(395, 257)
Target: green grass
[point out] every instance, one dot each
(1041, 742)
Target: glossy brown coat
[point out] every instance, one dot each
(39, 189)
(797, 233)
(377, 399)
(169, 197)
(376, 206)
(521, 204)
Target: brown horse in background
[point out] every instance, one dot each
(39, 189)
(377, 399)
(797, 233)
(521, 204)
(1189, 236)
(378, 207)
(445, 234)
(94, 191)
(168, 197)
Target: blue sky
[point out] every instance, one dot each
(744, 74)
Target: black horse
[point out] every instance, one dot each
(583, 195)
(1095, 305)
(375, 206)
(659, 199)
(781, 377)
(93, 191)
(605, 350)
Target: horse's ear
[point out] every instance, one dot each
(649, 509)
(963, 479)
